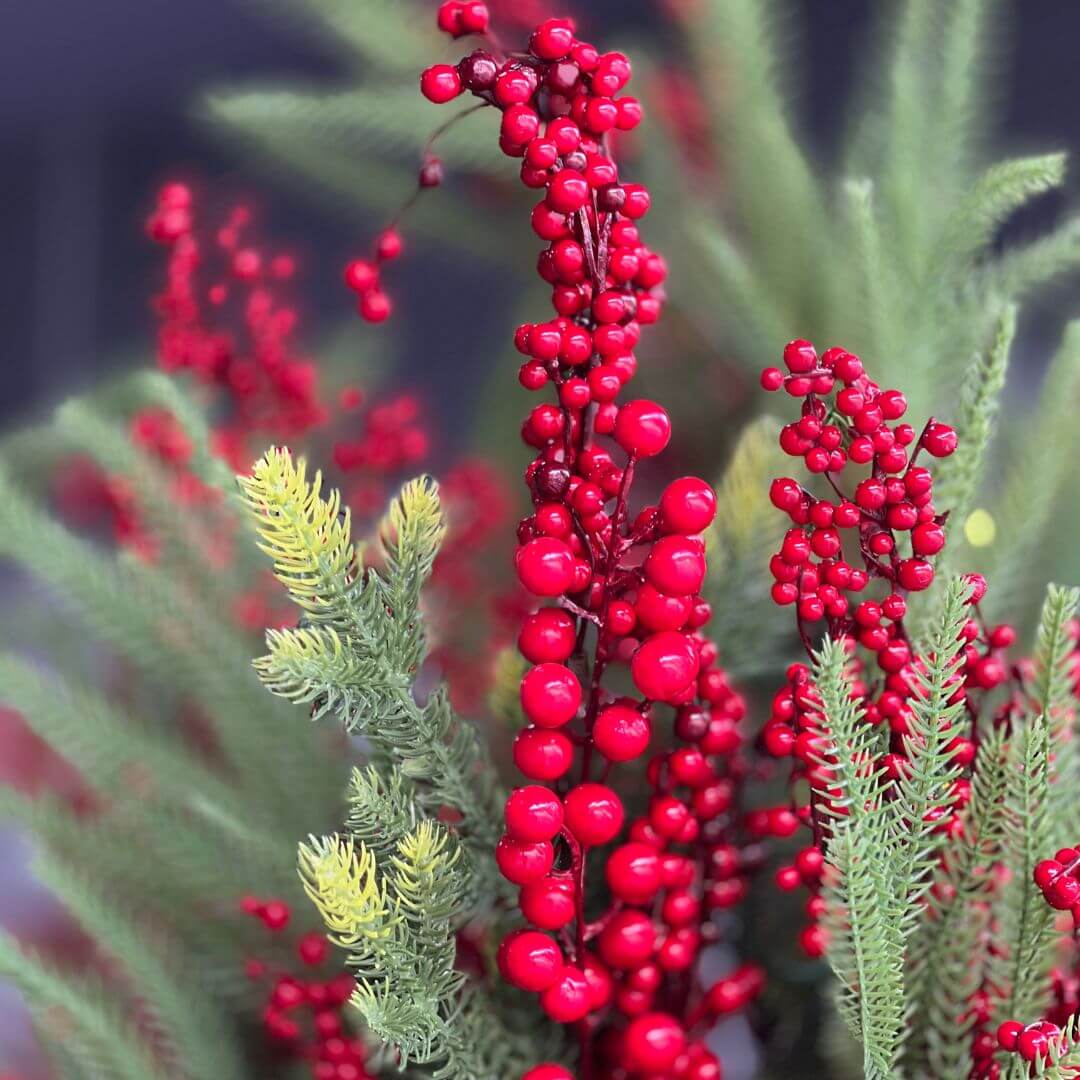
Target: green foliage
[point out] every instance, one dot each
(746, 525)
(865, 939)
(398, 885)
(129, 670)
(1036, 482)
(908, 914)
(359, 659)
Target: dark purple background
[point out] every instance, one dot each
(95, 109)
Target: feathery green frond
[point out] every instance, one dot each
(1038, 472)
(746, 524)
(1024, 917)
(931, 768)
(946, 962)
(865, 943)
(307, 537)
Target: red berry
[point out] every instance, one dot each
(360, 276)
(621, 733)
(548, 1071)
(1007, 1034)
(552, 39)
(568, 191)
(914, 574)
(375, 306)
(688, 505)
(1046, 872)
(627, 940)
(633, 873)
(312, 949)
(642, 428)
(543, 755)
(653, 1042)
(523, 862)
(547, 903)
(593, 813)
(530, 960)
(550, 695)
(275, 915)
(676, 565)
(928, 538)
(812, 941)
(533, 813)
(548, 635)
(545, 566)
(665, 666)
(939, 439)
(440, 83)
(569, 999)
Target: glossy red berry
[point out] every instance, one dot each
(568, 191)
(441, 83)
(676, 565)
(543, 755)
(548, 903)
(569, 999)
(939, 439)
(533, 813)
(627, 940)
(593, 813)
(653, 1042)
(688, 505)
(550, 695)
(665, 666)
(545, 566)
(642, 428)
(523, 862)
(914, 574)
(530, 960)
(633, 873)
(547, 636)
(621, 733)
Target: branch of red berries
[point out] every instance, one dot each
(303, 1014)
(623, 588)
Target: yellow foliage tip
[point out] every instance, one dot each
(428, 853)
(305, 534)
(415, 519)
(340, 878)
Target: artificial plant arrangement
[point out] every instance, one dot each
(926, 817)
(558, 928)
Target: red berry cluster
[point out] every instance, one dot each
(303, 1016)
(848, 420)
(1059, 881)
(1033, 1042)
(363, 276)
(624, 589)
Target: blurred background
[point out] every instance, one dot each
(97, 106)
(100, 104)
